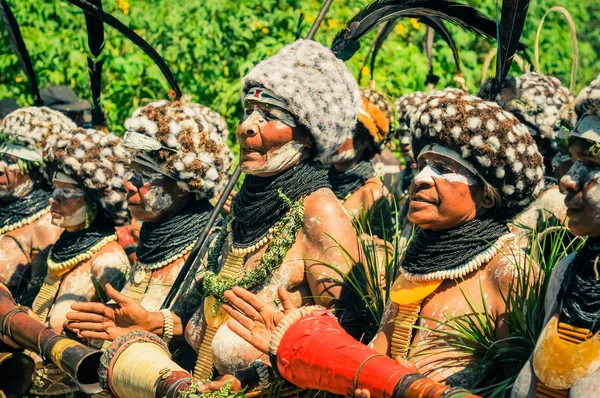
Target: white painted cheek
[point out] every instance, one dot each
(574, 175)
(157, 199)
(23, 189)
(592, 195)
(77, 218)
(280, 159)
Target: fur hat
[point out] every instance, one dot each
(375, 115)
(196, 158)
(540, 100)
(98, 162)
(491, 139)
(319, 89)
(31, 127)
(211, 120)
(406, 106)
(589, 99)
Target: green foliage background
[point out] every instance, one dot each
(211, 44)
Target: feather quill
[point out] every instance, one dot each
(346, 42)
(18, 45)
(514, 13)
(95, 29)
(108, 19)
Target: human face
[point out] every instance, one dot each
(406, 150)
(68, 206)
(581, 185)
(14, 183)
(151, 196)
(444, 194)
(269, 146)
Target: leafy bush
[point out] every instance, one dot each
(211, 44)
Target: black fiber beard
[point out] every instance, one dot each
(70, 244)
(258, 206)
(581, 297)
(24, 207)
(432, 251)
(347, 182)
(162, 240)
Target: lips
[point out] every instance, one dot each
(423, 199)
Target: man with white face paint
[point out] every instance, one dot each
(177, 166)
(25, 228)
(471, 178)
(566, 360)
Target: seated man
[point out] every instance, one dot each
(286, 224)
(567, 355)
(26, 232)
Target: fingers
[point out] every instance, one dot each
(85, 334)
(286, 299)
(242, 303)
(85, 317)
(362, 394)
(90, 326)
(250, 298)
(212, 386)
(239, 317)
(115, 295)
(96, 308)
(240, 331)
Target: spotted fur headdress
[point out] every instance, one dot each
(211, 120)
(490, 138)
(97, 161)
(32, 127)
(406, 106)
(318, 88)
(196, 159)
(589, 99)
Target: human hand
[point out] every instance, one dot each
(236, 385)
(229, 201)
(100, 321)
(256, 319)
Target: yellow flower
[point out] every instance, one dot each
(310, 18)
(415, 23)
(265, 30)
(18, 79)
(401, 30)
(332, 23)
(257, 25)
(365, 71)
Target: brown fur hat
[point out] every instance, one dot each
(406, 106)
(197, 159)
(375, 115)
(98, 162)
(491, 139)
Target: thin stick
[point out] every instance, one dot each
(315, 27)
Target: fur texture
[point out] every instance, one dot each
(32, 127)
(98, 162)
(211, 120)
(406, 106)
(319, 89)
(379, 116)
(589, 99)
(491, 139)
(199, 159)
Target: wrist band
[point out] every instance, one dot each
(263, 373)
(167, 333)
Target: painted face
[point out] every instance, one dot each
(151, 196)
(443, 193)
(406, 150)
(582, 187)
(68, 206)
(268, 145)
(14, 183)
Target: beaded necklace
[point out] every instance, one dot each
(345, 183)
(214, 286)
(24, 211)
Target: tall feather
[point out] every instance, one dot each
(514, 13)
(381, 37)
(438, 26)
(108, 19)
(95, 29)
(18, 45)
(346, 42)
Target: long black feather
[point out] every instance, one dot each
(95, 29)
(108, 19)
(514, 13)
(438, 26)
(346, 42)
(381, 37)
(18, 45)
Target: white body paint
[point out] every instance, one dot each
(280, 159)
(157, 200)
(581, 174)
(430, 170)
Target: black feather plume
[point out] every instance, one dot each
(108, 19)
(514, 13)
(18, 46)
(438, 26)
(95, 29)
(382, 34)
(346, 42)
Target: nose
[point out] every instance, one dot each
(424, 177)
(571, 180)
(249, 126)
(132, 185)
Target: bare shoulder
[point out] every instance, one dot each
(45, 233)
(322, 206)
(509, 265)
(111, 255)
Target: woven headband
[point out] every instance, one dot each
(588, 128)
(450, 154)
(20, 151)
